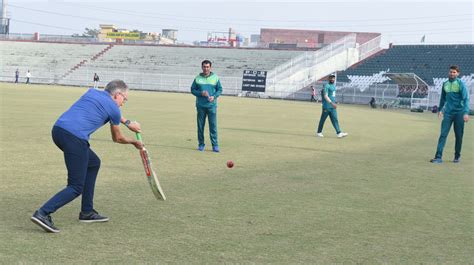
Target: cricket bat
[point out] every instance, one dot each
(150, 173)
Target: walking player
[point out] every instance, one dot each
(71, 134)
(313, 94)
(207, 88)
(328, 96)
(454, 108)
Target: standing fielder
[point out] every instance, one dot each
(328, 95)
(207, 88)
(71, 134)
(454, 106)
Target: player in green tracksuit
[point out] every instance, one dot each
(328, 95)
(454, 106)
(207, 88)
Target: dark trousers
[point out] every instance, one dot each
(211, 114)
(82, 167)
(313, 98)
(332, 113)
(458, 120)
(16, 79)
(27, 80)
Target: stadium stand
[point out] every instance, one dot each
(143, 67)
(47, 62)
(173, 68)
(429, 62)
(181, 60)
(85, 61)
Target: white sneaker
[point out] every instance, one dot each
(341, 135)
(320, 135)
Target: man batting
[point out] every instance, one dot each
(71, 134)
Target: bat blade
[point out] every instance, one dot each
(146, 162)
(151, 176)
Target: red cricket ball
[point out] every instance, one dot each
(230, 164)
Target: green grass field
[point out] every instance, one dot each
(372, 197)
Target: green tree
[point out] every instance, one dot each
(91, 32)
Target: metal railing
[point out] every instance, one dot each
(48, 38)
(386, 95)
(310, 59)
(17, 36)
(369, 48)
(68, 39)
(280, 77)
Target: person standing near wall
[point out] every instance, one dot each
(17, 75)
(96, 80)
(28, 76)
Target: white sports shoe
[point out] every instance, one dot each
(320, 135)
(341, 135)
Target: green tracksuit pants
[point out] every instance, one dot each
(211, 114)
(332, 113)
(458, 120)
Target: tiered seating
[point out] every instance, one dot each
(362, 82)
(382, 92)
(142, 67)
(184, 61)
(427, 61)
(407, 91)
(467, 79)
(174, 68)
(46, 61)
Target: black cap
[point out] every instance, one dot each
(331, 76)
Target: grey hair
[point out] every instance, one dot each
(116, 86)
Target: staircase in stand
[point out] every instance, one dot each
(84, 62)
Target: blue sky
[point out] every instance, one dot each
(398, 21)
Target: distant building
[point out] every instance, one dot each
(110, 33)
(307, 38)
(254, 38)
(104, 29)
(170, 34)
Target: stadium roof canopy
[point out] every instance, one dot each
(406, 79)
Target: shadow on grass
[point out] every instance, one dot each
(302, 148)
(150, 144)
(266, 132)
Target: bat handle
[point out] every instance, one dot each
(139, 136)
